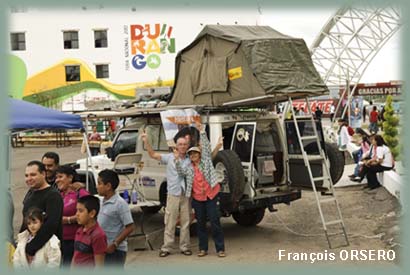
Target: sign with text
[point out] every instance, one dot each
(145, 43)
(175, 120)
(323, 105)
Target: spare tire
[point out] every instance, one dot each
(336, 160)
(231, 176)
(250, 217)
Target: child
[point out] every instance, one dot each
(90, 241)
(48, 256)
(115, 218)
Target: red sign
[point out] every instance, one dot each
(323, 104)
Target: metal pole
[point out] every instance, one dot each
(85, 139)
(349, 98)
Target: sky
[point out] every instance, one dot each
(307, 24)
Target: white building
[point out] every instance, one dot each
(68, 51)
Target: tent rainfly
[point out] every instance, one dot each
(27, 115)
(233, 63)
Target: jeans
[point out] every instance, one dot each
(208, 209)
(94, 151)
(357, 156)
(373, 127)
(117, 258)
(68, 252)
(371, 176)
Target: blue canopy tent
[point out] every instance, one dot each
(26, 115)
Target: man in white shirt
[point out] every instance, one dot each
(332, 112)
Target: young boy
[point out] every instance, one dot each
(115, 218)
(90, 241)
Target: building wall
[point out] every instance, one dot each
(45, 56)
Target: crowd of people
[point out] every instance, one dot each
(65, 226)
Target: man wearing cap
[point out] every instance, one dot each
(178, 204)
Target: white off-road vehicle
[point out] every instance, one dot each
(260, 164)
(235, 74)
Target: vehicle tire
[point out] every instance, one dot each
(336, 160)
(249, 217)
(151, 209)
(192, 229)
(229, 168)
(163, 193)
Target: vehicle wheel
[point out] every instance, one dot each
(336, 160)
(151, 209)
(192, 229)
(163, 193)
(230, 175)
(249, 217)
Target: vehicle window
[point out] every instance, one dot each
(305, 129)
(156, 137)
(163, 145)
(243, 141)
(126, 142)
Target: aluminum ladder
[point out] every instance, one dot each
(330, 199)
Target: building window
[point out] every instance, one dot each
(72, 73)
(18, 41)
(100, 39)
(102, 71)
(70, 40)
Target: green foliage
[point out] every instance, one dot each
(390, 124)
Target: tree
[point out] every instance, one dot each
(390, 124)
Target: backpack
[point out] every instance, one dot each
(350, 131)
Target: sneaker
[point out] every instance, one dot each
(356, 179)
(221, 254)
(202, 253)
(352, 176)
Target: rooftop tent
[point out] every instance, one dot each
(26, 115)
(234, 63)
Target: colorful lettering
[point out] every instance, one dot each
(150, 40)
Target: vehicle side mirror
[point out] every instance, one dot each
(110, 152)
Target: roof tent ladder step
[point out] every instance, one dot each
(326, 173)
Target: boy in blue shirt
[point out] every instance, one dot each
(114, 218)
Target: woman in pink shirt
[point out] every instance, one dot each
(201, 179)
(65, 176)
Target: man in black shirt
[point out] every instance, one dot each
(318, 114)
(41, 195)
(51, 161)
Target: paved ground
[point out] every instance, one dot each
(371, 220)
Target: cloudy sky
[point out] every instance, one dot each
(307, 23)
